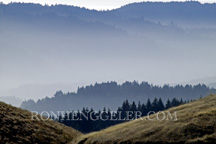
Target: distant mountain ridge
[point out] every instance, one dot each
(190, 12)
(156, 9)
(209, 81)
(111, 95)
(165, 10)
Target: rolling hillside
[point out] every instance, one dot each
(17, 127)
(196, 124)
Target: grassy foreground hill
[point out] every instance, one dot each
(16, 127)
(195, 124)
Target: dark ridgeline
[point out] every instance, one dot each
(189, 11)
(146, 17)
(87, 124)
(111, 95)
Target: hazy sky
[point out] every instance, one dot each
(93, 4)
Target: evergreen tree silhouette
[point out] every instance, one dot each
(168, 104)
(148, 105)
(160, 105)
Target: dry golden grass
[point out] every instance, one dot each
(16, 127)
(196, 124)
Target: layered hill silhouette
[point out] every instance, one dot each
(111, 95)
(16, 126)
(195, 124)
(60, 43)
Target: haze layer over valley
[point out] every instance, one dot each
(71, 46)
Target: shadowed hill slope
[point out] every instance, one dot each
(196, 123)
(17, 127)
